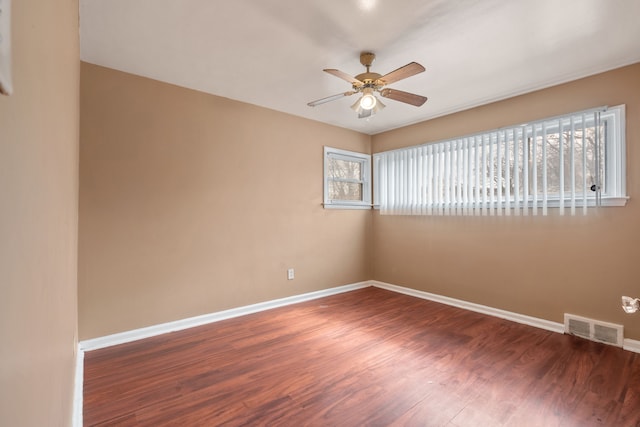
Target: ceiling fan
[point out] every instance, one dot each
(368, 83)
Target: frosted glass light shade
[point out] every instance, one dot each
(630, 305)
(368, 101)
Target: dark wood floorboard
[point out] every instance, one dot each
(364, 358)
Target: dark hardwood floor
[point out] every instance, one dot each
(364, 358)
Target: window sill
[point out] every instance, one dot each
(345, 206)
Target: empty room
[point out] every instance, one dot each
(342, 213)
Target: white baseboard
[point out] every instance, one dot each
(631, 345)
(503, 314)
(136, 334)
(628, 344)
(163, 328)
(128, 336)
(76, 420)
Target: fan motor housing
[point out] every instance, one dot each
(368, 77)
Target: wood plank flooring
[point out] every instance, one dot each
(364, 358)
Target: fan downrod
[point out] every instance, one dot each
(368, 78)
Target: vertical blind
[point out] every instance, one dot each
(517, 170)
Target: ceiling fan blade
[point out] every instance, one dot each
(408, 70)
(329, 98)
(343, 76)
(406, 97)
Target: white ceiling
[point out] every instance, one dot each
(271, 52)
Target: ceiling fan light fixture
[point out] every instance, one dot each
(362, 112)
(356, 106)
(368, 101)
(379, 105)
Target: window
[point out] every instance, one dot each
(570, 162)
(347, 179)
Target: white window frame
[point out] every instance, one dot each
(352, 156)
(614, 192)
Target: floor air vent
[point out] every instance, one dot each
(593, 330)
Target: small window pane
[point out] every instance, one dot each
(347, 179)
(345, 169)
(345, 190)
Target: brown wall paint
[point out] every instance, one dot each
(39, 127)
(538, 266)
(192, 203)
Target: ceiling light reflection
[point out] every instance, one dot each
(367, 5)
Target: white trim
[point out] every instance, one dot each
(353, 156)
(345, 206)
(120, 338)
(616, 155)
(178, 325)
(478, 308)
(78, 388)
(136, 334)
(631, 345)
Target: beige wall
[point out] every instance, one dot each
(187, 207)
(192, 203)
(539, 266)
(38, 216)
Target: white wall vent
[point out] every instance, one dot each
(594, 330)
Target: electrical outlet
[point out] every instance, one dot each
(290, 274)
